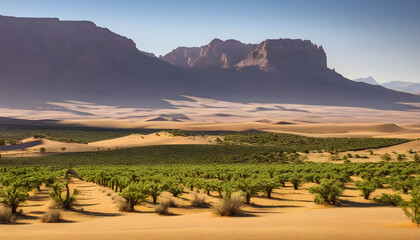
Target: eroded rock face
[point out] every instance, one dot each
(218, 53)
(182, 56)
(269, 55)
(272, 55)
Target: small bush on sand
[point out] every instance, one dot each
(52, 216)
(199, 202)
(163, 207)
(389, 199)
(412, 208)
(327, 192)
(5, 215)
(228, 207)
(122, 204)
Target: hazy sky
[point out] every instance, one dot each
(362, 38)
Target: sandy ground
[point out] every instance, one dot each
(290, 214)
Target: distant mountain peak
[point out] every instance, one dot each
(369, 80)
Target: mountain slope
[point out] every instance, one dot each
(409, 87)
(44, 59)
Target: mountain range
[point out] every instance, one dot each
(409, 87)
(45, 59)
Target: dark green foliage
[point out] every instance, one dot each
(134, 194)
(249, 188)
(386, 157)
(305, 144)
(412, 208)
(179, 133)
(389, 199)
(13, 196)
(63, 201)
(416, 158)
(67, 134)
(327, 192)
(366, 187)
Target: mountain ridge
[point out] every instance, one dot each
(45, 60)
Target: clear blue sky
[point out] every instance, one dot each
(362, 37)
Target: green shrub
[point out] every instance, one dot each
(386, 157)
(134, 194)
(416, 158)
(42, 149)
(366, 187)
(327, 192)
(412, 208)
(13, 196)
(66, 201)
(249, 188)
(389, 199)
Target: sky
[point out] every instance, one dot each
(378, 38)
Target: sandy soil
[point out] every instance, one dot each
(290, 214)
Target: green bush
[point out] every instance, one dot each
(389, 199)
(63, 201)
(366, 187)
(412, 208)
(13, 196)
(134, 194)
(327, 192)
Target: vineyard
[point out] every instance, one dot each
(303, 144)
(137, 184)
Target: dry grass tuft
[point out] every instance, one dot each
(6, 215)
(52, 216)
(163, 207)
(199, 202)
(228, 207)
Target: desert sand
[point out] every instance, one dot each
(290, 214)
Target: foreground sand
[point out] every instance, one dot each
(291, 214)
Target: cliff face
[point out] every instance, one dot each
(272, 55)
(218, 53)
(269, 55)
(182, 56)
